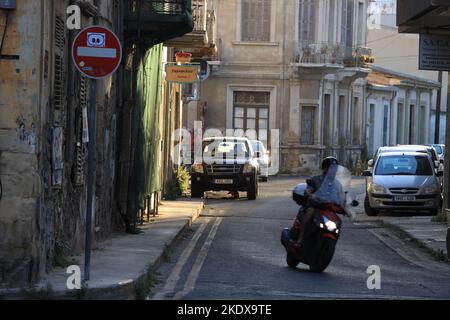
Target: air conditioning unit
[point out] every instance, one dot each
(8, 4)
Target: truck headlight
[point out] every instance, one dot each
(197, 168)
(433, 188)
(248, 168)
(375, 188)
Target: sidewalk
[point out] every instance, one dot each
(430, 234)
(123, 265)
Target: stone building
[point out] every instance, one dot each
(43, 128)
(296, 66)
(42, 150)
(398, 106)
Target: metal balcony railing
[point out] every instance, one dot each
(326, 53)
(158, 20)
(160, 7)
(322, 52)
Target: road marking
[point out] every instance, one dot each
(175, 274)
(198, 264)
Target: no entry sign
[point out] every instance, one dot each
(96, 52)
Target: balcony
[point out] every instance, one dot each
(423, 16)
(200, 42)
(361, 57)
(320, 53)
(156, 21)
(325, 54)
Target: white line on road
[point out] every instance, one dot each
(198, 264)
(175, 274)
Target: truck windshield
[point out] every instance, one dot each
(226, 149)
(403, 166)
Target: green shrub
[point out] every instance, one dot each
(183, 180)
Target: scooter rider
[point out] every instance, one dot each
(321, 189)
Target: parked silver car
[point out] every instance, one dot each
(405, 148)
(262, 156)
(402, 181)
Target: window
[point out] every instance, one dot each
(411, 124)
(251, 112)
(371, 122)
(331, 22)
(422, 132)
(400, 116)
(307, 125)
(342, 112)
(361, 24)
(255, 22)
(356, 116)
(306, 21)
(326, 121)
(403, 166)
(385, 125)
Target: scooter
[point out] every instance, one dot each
(321, 236)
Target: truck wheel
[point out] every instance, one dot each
(253, 191)
(196, 192)
(369, 210)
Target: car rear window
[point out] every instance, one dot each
(403, 166)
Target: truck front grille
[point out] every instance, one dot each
(223, 169)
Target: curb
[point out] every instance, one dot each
(131, 290)
(436, 254)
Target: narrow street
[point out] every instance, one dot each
(233, 252)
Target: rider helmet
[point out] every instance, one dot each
(327, 162)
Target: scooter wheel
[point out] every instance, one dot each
(321, 261)
(291, 260)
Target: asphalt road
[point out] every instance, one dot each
(234, 252)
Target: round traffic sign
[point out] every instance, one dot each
(96, 52)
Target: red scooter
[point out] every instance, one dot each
(321, 235)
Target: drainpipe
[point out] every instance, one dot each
(283, 80)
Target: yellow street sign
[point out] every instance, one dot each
(181, 74)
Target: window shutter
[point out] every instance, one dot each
(81, 147)
(58, 101)
(255, 20)
(59, 78)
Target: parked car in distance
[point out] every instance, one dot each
(228, 164)
(406, 148)
(402, 181)
(262, 156)
(440, 150)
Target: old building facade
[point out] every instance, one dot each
(43, 152)
(296, 66)
(43, 128)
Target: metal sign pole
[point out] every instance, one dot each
(92, 120)
(92, 146)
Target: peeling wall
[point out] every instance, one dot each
(37, 214)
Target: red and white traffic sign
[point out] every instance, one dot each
(96, 52)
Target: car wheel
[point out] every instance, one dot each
(196, 192)
(264, 179)
(253, 191)
(434, 212)
(369, 210)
